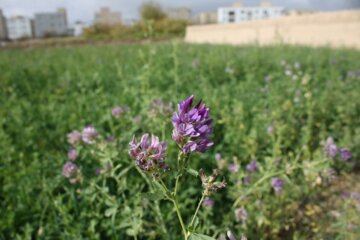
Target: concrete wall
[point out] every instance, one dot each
(336, 29)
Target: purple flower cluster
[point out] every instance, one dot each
(72, 154)
(70, 170)
(208, 202)
(89, 135)
(159, 107)
(192, 126)
(74, 137)
(277, 184)
(149, 155)
(119, 111)
(241, 215)
(252, 166)
(331, 150)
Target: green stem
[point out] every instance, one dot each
(180, 218)
(269, 176)
(197, 209)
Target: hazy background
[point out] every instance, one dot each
(84, 9)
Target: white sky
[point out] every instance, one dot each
(84, 9)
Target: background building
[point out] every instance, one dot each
(79, 27)
(51, 24)
(106, 17)
(180, 13)
(3, 30)
(239, 13)
(205, 18)
(19, 27)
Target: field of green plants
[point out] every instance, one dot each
(285, 131)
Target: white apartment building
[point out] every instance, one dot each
(19, 27)
(238, 13)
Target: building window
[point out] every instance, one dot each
(231, 16)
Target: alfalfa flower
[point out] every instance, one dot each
(345, 154)
(277, 184)
(74, 137)
(241, 215)
(233, 167)
(149, 155)
(158, 107)
(330, 148)
(209, 184)
(192, 126)
(70, 170)
(89, 135)
(119, 111)
(252, 166)
(208, 202)
(72, 154)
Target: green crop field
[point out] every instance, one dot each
(277, 107)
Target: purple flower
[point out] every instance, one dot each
(192, 126)
(241, 215)
(159, 107)
(346, 195)
(270, 129)
(247, 180)
(233, 167)
(330, 148)
(149, 155)
(89, 135)
(297, 65)
(195, 62)
(117, 112)
(208, 202)
(345, 154)
(69, 170)
(288, 72)
(277, 184)
(74, 137)
(252, 166)
(218, 157)
(72, 154)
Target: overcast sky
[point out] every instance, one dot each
(84, 9)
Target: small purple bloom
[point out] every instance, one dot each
(330, 148)
(297, 65)
(148, 154)
(195, 63)
(208, 202)
(72, 154)
(218, 157)
(74, 137)
(89, 135)
(159, 107)
(117, 112)
(247, 180)
(192, 126)
(277, 184)
(345, 154)
(69, 170)
(233, 167)
(241, 215)
(288, 72)
(346, 195)
(270, 129)
(252, 166)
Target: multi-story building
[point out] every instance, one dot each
(106, 17)
(205, 18)
(19, 27)
(51, 24)
(180, 13)
(237, 13)
(3, 30)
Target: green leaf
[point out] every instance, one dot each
(154, 196)
(192, 172)
(197, 236)
(110, 211)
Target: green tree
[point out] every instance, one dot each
(151, 11)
